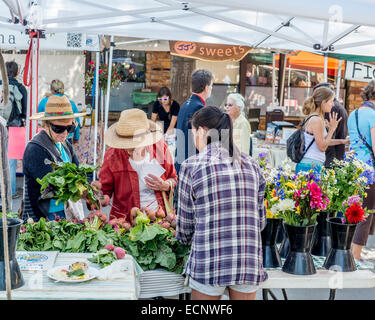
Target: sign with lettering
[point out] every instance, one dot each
(16, 40)
(359, 71)
(208, 51)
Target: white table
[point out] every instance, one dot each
(274, 154)
(173, 284)
(38, 286)
(323, 279)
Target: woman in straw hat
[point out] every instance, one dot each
(137, 167)
(50, 143)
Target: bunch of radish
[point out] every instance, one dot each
(119, 223)
(159, 216)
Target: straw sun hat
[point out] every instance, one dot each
(57, 108)
(133, 130)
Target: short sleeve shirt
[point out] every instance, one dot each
(165, 116)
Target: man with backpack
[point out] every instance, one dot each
(14, 114)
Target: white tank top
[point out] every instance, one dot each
(313, 153)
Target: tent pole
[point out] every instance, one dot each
(34, 102)
(97, 62)
(4, 198)
(338, 80)
(325, 67)
(289, 74)
(108, 91)
(28, 121)
(273, 78)
(308, 83)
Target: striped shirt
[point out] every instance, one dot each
(221, 214)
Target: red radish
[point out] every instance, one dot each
(120, 252)
(110, 247)
(127, 226)
(160, 213)
(152, 216)
(174, 223)
(170, 217)
(133, 212)
(106, 200)
(166, 225)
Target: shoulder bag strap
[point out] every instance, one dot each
(314, 115)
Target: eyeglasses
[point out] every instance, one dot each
(228, 105)
(163, 99)
(60, 129)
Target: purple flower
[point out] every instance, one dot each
(343, 220)
(262, 155)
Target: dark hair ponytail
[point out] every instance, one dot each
(213, 118)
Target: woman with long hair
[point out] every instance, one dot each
(221, 212)
(317, 138)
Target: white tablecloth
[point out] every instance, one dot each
(39, 286)
(275, 154)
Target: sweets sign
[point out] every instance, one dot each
(208, 51)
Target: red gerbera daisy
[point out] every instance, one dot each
(355, 213)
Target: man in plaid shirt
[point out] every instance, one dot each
(221, 214)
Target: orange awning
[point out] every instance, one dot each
(313, 62)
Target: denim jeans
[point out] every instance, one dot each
(308, 164)
(12, 173)
(12, 169)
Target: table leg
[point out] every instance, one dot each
(284, 294)
(266, 292)
(332, 294)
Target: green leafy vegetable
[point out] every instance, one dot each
(77, 273)
(68, 182)
(103, 257)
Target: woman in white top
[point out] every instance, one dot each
(315, 129)
(235, 107)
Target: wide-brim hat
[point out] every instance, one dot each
(133, 130)
(57, 108)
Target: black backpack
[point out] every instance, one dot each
(296, 143)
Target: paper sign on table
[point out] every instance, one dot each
(36, 260)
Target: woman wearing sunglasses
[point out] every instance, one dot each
(51, 143)
(166, 110)
(235, 107)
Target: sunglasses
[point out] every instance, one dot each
(229, 105)
(163, 99)
(60, 129)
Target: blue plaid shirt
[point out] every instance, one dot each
(221, 214)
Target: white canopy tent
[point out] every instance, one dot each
(290, 24)
(321, 26)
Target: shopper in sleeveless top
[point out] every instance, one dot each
(314, 108)
(366, 127)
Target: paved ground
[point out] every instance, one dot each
(293, 294)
